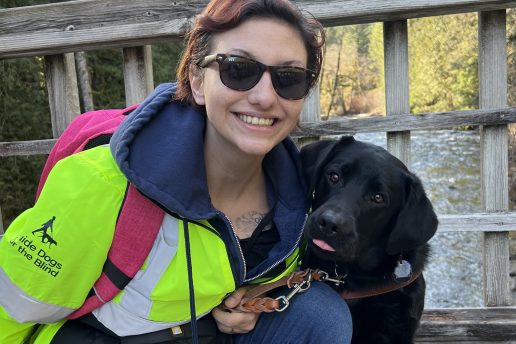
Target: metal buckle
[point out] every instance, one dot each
(338, 280)
(284, 300)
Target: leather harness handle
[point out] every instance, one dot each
(254, 302)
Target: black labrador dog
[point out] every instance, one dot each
(368, 230)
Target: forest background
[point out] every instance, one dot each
(443, 60)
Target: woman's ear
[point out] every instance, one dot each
(196, 83)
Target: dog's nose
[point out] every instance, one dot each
(331, 221)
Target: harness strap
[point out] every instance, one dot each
(253, 302)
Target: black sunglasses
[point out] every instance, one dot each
(242, 73)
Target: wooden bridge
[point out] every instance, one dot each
(55, 31)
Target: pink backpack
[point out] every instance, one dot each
(139, 219)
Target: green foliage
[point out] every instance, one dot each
(443, 62)
(352, 70)
(21, 80)
(443, 66)
(106, 71)
(165, 58)
(107, 78)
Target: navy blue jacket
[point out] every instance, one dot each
(159, 148)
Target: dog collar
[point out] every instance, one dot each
(401, 277)
(383, 288)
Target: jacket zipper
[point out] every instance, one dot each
(235, 236)
(282, 259)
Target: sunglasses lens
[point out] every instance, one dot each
(242, 74)
(239, 73)
(291, 82)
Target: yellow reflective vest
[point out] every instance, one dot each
(53, 253)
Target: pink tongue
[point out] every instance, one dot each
(323, 245)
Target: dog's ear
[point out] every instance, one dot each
(315, 155)
(416, 222)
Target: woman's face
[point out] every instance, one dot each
(250, 122)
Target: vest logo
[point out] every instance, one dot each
(43, 232)
(31, 249)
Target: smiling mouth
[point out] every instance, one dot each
(261, 122)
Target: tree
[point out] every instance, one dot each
(352, 74)
(21, 80)
(443, 62)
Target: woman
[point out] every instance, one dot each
(213, 152)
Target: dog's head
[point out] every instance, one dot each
(365, 202)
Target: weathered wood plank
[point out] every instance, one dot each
(402, 122)
(345, 12)
(94, 14)
(33, 147)
(493, 155)
(98, 24)
(92, 24)
(63, 93)
(339, 126)
(478, 222)
(395, 37)
(310, 113)
(138, 79)
(455, 325)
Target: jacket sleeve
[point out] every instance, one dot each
(12, 331)
(52, 253)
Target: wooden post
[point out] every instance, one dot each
(493, 150)
(397, 84)
(63, 94)
(311, 113)
(138, 78)
(84, 80)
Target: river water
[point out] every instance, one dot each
(447, 162)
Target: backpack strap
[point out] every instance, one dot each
(85, 131)
(139, 220)
(136, 229)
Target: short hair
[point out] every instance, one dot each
(223, 15)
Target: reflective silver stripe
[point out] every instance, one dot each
(130, 316)
(125, 323)
(24, 308)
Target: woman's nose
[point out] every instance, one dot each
(263, 92)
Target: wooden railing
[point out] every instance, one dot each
(58, 30)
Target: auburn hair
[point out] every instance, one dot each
(223, 15)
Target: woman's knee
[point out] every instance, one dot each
(318, 315)
(322, 302)
(325, 312)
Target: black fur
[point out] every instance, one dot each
(371, 210)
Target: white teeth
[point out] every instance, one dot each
(264, 122)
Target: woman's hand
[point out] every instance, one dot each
(233, 321)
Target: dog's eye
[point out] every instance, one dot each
(333, 177)
(378, 198)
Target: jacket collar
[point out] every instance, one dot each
(162, 141)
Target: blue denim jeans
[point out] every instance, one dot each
(319, 315)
